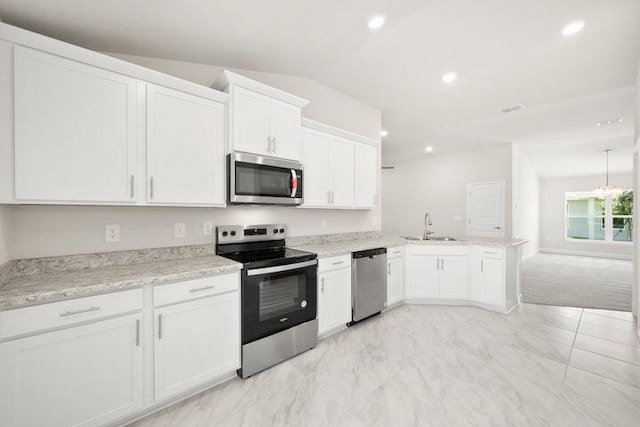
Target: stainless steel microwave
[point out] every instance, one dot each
(264, 180)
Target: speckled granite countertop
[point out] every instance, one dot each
(342, 248)
(40, 288)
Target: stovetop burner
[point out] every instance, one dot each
(258, 246)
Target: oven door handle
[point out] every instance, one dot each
(279, 268)
(294, 183)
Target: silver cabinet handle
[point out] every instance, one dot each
(159, 326)
(322, 285)
(396, 252)
(482, 266)
(442, 264)
(497, 227)
(331, 196)
(151, 189)
(204, 288)
(132, 185)
(491, 253)
(72, 313)
(337, 263)
(273, 141)
(388, 269)
(268, 144)
(438, 264)
(138, 333)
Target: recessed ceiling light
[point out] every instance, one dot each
(384, 133)
(572, 28)
(376, 22)
(428, 149)
(449, 77)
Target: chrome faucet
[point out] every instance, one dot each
(427, 225)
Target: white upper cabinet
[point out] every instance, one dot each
(185, 148)
(285, 130)
(75, 131)
(341, 160)
(315, 158)
(328, 170)
(263, 120)
(365, 176)
(250, 121)
(339, 170)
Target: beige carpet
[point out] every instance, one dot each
(577, 281)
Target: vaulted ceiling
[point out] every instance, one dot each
(504, 52)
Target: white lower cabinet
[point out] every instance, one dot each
(85, 375)
(438, 272)
(197, 340)
(489, 275)
(334, 293)
(395, 275)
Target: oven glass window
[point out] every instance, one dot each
(262, 180)
(279, 297)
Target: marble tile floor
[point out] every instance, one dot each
(442, 366)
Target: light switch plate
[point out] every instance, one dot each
(180, 230)
(112, 233)
(207, 228)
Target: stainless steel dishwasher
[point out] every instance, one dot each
(368, 283)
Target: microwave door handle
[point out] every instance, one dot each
(294, 183)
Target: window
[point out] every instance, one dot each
(599, 217)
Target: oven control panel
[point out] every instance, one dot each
(250, 233)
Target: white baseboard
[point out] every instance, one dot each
(589, 254)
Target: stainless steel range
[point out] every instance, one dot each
(279, 294)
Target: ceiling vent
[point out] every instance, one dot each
(512, 108)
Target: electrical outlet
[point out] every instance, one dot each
(323, 224)
(180, 230)
(112, 233)
(207, 228)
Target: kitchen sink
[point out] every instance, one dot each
(438, 239)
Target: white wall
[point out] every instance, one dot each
(438, 184)
(526, 202)
(552, 216)
(4, 225)
(57, 230)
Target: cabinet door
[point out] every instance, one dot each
(315, 158)
(341, 162)
(454, 277)
(75, 130)
(196, 341)
(492, 284)
(250, 121)
(395, 280)
(424, 277)
(185, 148)
(334, 299)
(365, 176)
(285, 130)
(82, 376)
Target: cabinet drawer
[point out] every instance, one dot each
(65, 313)
(439, 250)
(190, 289)
(496, 253)
(395, 252)
(325, 264)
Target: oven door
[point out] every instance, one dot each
(264, 180)
(277, 298)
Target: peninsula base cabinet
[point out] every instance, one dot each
(334, 293)
(395, 275)
(85, 375)
(437, 272)
(484, 276)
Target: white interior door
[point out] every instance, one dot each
(485, 209)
